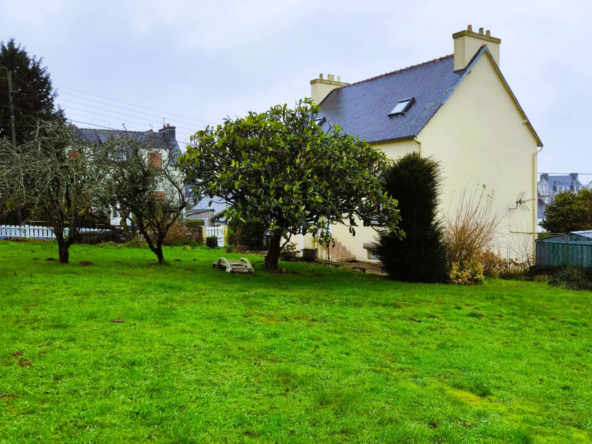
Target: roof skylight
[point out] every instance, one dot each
(402, 107)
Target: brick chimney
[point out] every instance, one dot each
(467, 44)
(320, 88)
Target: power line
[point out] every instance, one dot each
(115, 112)
(115, 106)
(86, 123)
(137, 106)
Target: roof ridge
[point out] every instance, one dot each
(399, 70)
(109, 129)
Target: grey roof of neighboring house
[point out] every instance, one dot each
(157, 139)
(217, 204)
(361, 109)
(565, 180)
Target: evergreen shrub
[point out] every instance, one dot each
(420, 256)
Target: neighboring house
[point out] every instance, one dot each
(459, 109)
(551, 184)
(164, 144)
(209, 210)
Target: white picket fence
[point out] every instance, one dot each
(8, 231)
(218, 232)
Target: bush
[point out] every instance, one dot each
(421, 255)
(467, 273)
(290, 253)
(492, 264)
(572, 278)
(247, 235)
(194, 223)
(471, 228)
(180, 235)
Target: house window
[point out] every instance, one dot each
(155, 159)
(402, 107)
(372, 255)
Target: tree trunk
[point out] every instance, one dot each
(273, 251)
(19, 215)
(158, 252)
(63, 251)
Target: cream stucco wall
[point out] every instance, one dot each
(480, 137)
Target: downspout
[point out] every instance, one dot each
(535, 199)
(418, 145)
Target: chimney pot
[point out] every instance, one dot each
(488, 33)
(339, 78)
(321, 76)
(480, 30)
(470, 28)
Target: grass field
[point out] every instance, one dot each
(318, 356)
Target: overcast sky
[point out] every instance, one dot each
(207, 60)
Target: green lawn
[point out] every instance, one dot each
(318, 356)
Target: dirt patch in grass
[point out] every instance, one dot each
(85, 263)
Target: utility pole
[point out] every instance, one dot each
(11, 106)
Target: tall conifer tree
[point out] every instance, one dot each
(421, 255)
(33, 93)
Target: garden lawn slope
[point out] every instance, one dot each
(319, 356)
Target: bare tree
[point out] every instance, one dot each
(60, 175)
(145, 182)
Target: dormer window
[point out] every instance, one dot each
(402, 107)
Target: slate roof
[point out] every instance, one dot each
(565, 180)
(361, 109)
(157, 140)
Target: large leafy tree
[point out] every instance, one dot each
(569, 211)
(280, 168)
(57, 174)
(421, 255)
(33, 93)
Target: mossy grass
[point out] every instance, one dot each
(315, 354)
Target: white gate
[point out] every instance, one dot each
(218, 232)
